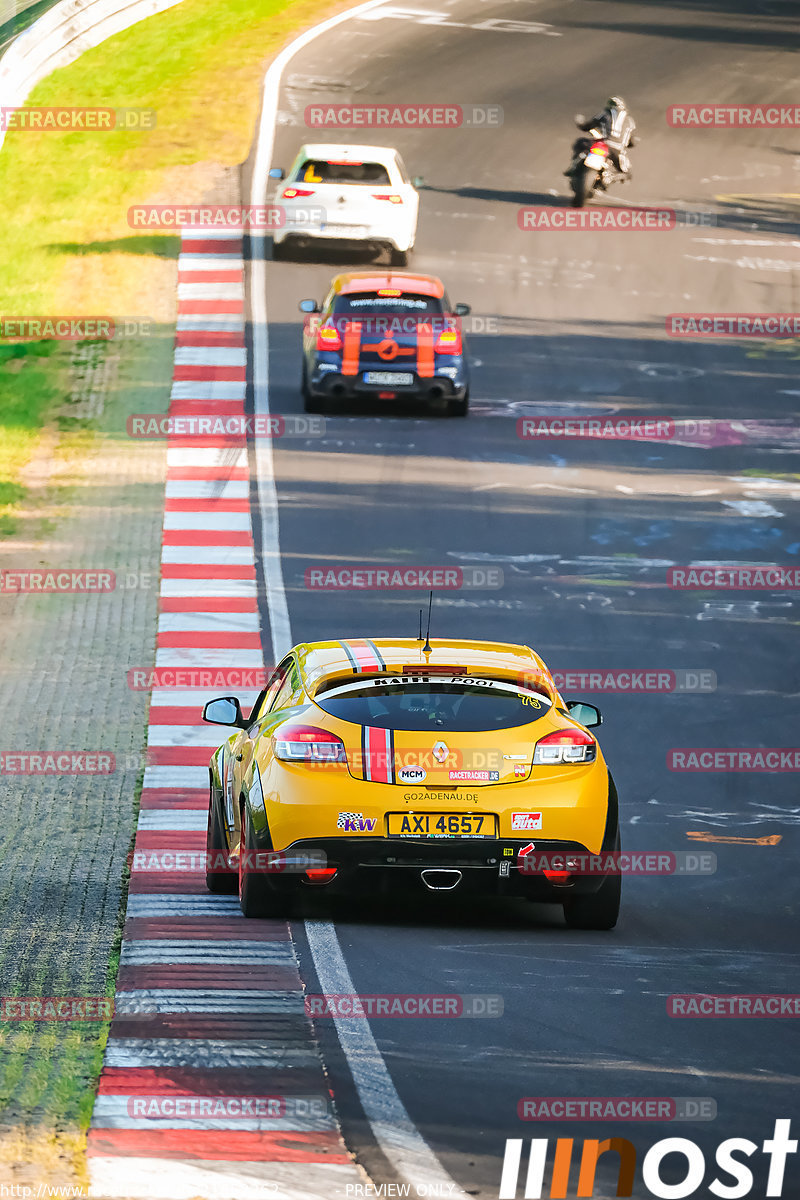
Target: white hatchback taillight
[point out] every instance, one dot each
(307, 743)
(565, 746)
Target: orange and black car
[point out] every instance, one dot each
(389, 336)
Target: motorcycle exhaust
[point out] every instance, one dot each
(441, 879)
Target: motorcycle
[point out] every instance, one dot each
(592, 168)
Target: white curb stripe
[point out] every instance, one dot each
(197, 950)
(213, 457)
(189, 819)
(216, 390)
(208, 489)
(145, 1001)
(162, 1179)
(202, 555)
(206, 1052)
(208, 519)
(186, 656)
(209, 622)
(217, 356)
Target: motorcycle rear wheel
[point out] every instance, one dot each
(583, 185)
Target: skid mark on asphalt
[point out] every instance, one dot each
(212, 1084)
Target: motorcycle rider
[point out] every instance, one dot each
(615, 125)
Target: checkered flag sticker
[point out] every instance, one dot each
(345, 818)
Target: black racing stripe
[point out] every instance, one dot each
(351, 657)
(376, 652)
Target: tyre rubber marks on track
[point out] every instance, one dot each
(209, 1006)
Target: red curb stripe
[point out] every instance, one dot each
(206, 474)
(267, 1030)
(201, 245)
(222, 1145)
(174, 798)
(208, 604)
(178, 756)
(206, 929)
(220, 977)
(187, 372)
(193, 504)
(210, 337)
(208, 571)
(209, 275)
(207, 537)
(199, 1081)
(214, 308)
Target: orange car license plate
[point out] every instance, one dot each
(441, 825)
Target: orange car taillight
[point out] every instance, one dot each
(448, 342)
(293, 193)
(565, 746)
(390, 196)
(307, 743)
(328, 338)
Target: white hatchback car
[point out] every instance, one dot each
(348, 194)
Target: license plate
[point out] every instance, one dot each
(441, 825)
(392, 378)
(594, 160)
(345, 231)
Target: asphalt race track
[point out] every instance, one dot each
(583, 532)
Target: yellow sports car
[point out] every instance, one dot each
(369, 764)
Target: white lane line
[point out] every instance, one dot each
(396, 1134)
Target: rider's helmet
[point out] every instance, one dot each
(616, 102)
